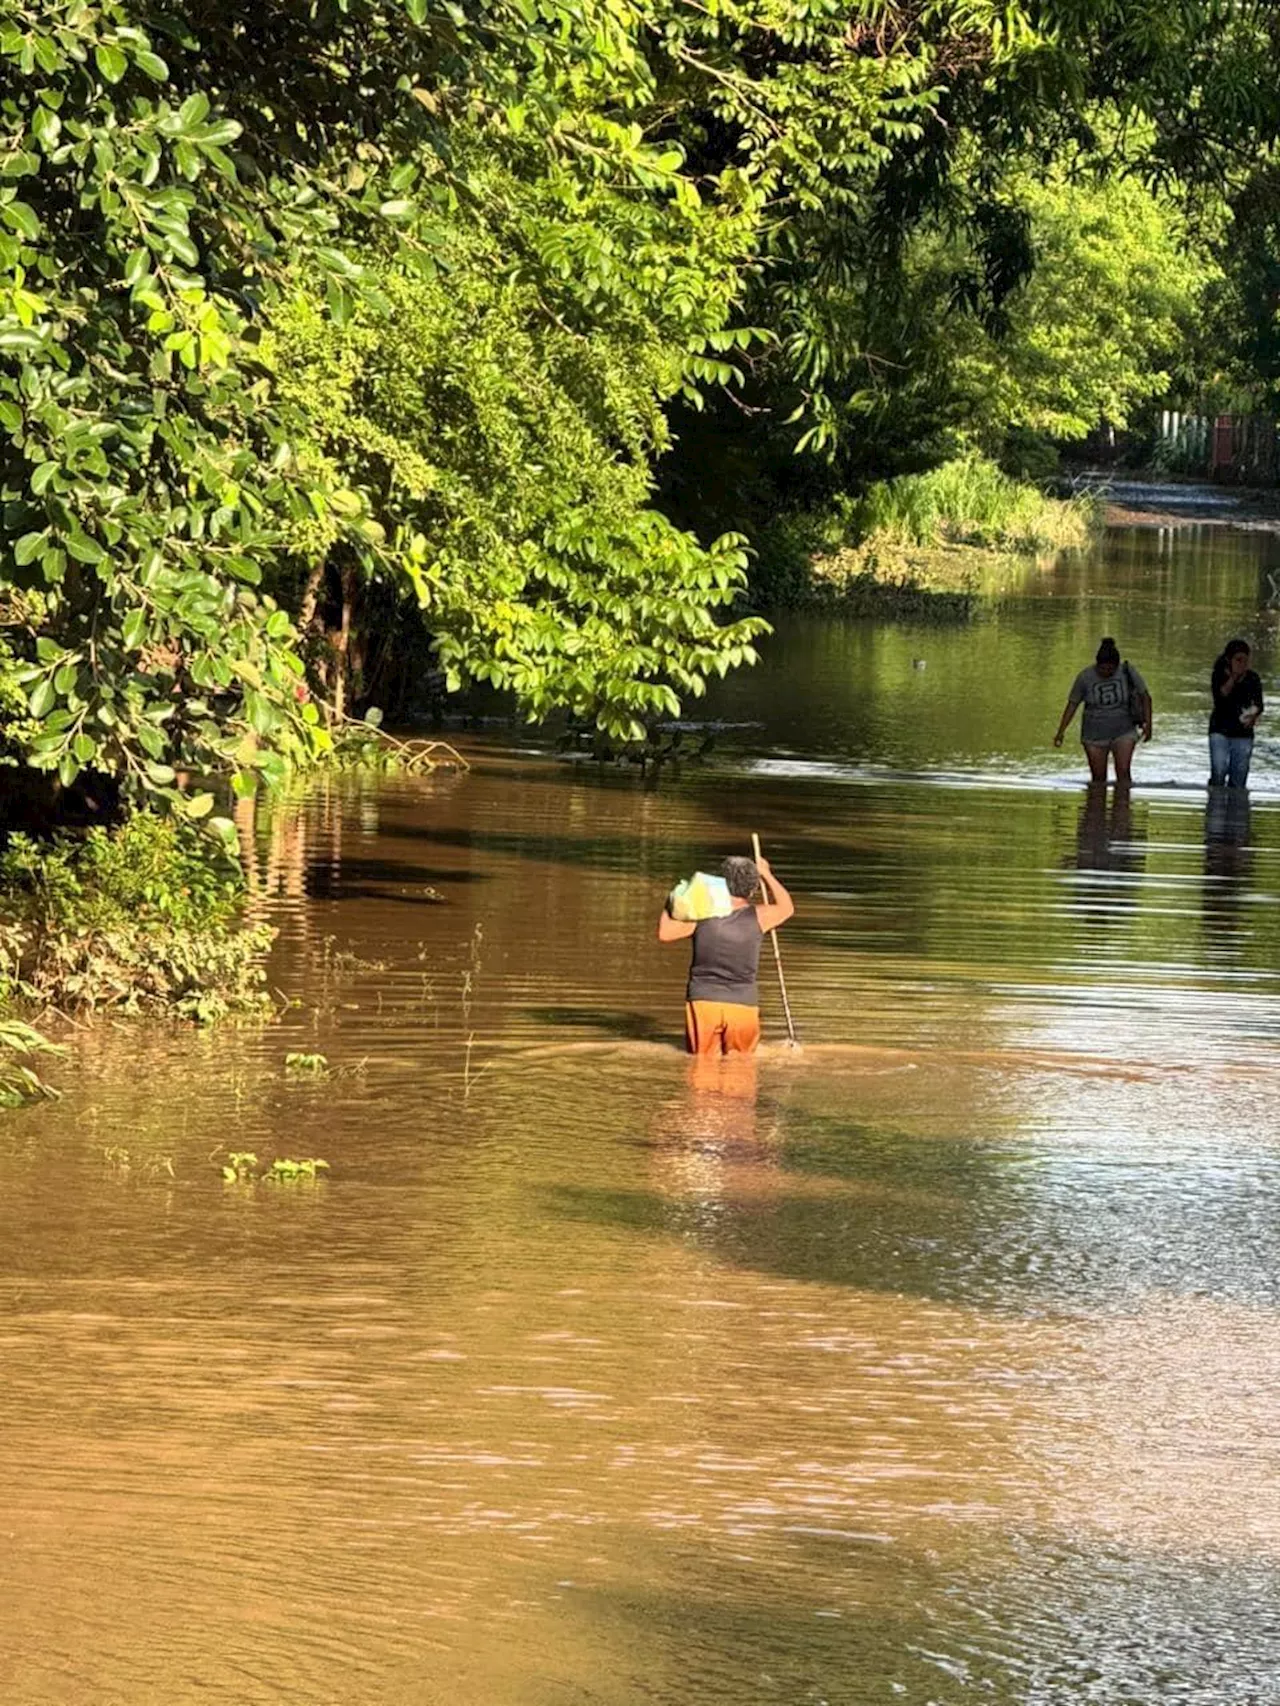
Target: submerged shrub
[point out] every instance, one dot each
(141, 918)
(20, 1082)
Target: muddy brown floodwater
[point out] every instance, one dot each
(937, 1362)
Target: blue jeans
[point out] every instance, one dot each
(1229, 757)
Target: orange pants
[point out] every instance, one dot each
(721, 1027)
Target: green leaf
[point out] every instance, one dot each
(110, 62)
(263, 717)
(11, 417)
(224, 831)
(185, 250)
(41, 699)
(84, 549)
(340, 304)
(132, 629)
(22, 218)
(160, 774)
(193, 111)
(152, 65)
(29, 547)
(151, 739)
(397, 209)
(47, 127)
(217, 135)
(199, 805)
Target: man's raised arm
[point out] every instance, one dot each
(779, 905)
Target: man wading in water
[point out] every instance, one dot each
(722, 1006)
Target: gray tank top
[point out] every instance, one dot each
(726, 959)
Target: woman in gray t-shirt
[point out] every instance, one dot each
(1117, 708)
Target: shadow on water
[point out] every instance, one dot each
(1023, 1229)
(355, 877)
(630, 1027)
(616, 853)
(1120, 1627)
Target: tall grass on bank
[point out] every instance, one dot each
(928, 543)
(971, 501)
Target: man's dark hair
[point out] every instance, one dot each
(740, 875)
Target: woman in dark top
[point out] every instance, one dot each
(1237, 705)
(722, 1003)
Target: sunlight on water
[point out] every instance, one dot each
(932, 1361)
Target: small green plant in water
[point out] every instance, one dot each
(241, 1167)
(307, 1065)
(971, 501)
(284, 1169)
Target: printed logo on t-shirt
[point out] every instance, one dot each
(1108, 694)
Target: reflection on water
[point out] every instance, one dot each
(932, 1360)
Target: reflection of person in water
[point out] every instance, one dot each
(1227, 859)
(1237, 705)
(1103, 839)
(1117, 707)
(702, 1136)
(1110, 855)
(722, 1005)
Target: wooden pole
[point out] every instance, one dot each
(777, 959)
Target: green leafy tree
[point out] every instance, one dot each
(493, 405)
(1098, 328)
(136, 476)
(165, 177)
